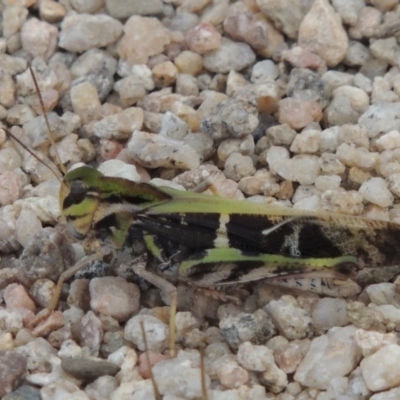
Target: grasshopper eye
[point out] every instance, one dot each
(78, 192)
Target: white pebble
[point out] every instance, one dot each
(376, 191)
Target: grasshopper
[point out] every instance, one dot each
(210, 241)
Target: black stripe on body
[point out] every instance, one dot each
(182, 229)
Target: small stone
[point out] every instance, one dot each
(173, 126)
(7, 88)
(136, 45)
(388, 141)
(302, 168)
(322, 32)
(118, 168)
(124, 9)
(54, 390)
(19, 114)
(156, 332)
(103, 386)
(299, 113)
(376, 191)
(255, 358)
(39, 38)
(10, 188)
(16, 296)
(356, 157)
(12, 371)
(238, 166)
(289, 357)
(290, 319)
(85, 101)
(114, 296)
(13, 19)
(91, 333)
(179, 377)
(348, 10)
(232, 118)
(329, 313)
(203, 38)
(232, 376)
(263, 71)
(347, 105)
(189, 62)
(306, 142)
(357, 54)
(379, 370)
(370, 342)
(24, 393)
(364, 317)
(255, 328)
(81, 32)
(229, 56)
(164, 74)
(154, 151)
(51, 11)
(53, 322)
(119, 125)
(303, 58)
(327, 182)
(88, 369)
(380, 118)
(330, 356)
(281, 135)
(186, 85)
(288, 22)
(47, 255)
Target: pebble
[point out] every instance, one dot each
(88, 369)
(154, 151)
(119, 125)
(329, 313)
(47, 255)
(39, 38)
(127, 8)
(12, 371)
(255, 328)
(136, 46)
(370, 342)
(302, 168)
(85, 101)
(380, 118)
(102, 387)
(379, 369)
(289, 23)
(10, 188)
(229, 56)
(238, 166)
(91, 333)
(60, 389)
(180, 376)
(156, 332)
(347, 105)
(306, 142)
(24, 392)
(203, 38)
(248, 28)
(7, 87)
(365, 317)
(232, 118)
(289, 357)
(164, 74)
(322, 32)
(299, 113)
(119, 169)
(330, 356)
(291, 320)
(375, 190)
(81, 32)
(114, 296)
(15, 295)
(189, 62)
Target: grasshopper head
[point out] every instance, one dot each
(79, 199)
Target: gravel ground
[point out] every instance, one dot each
(287, 102)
